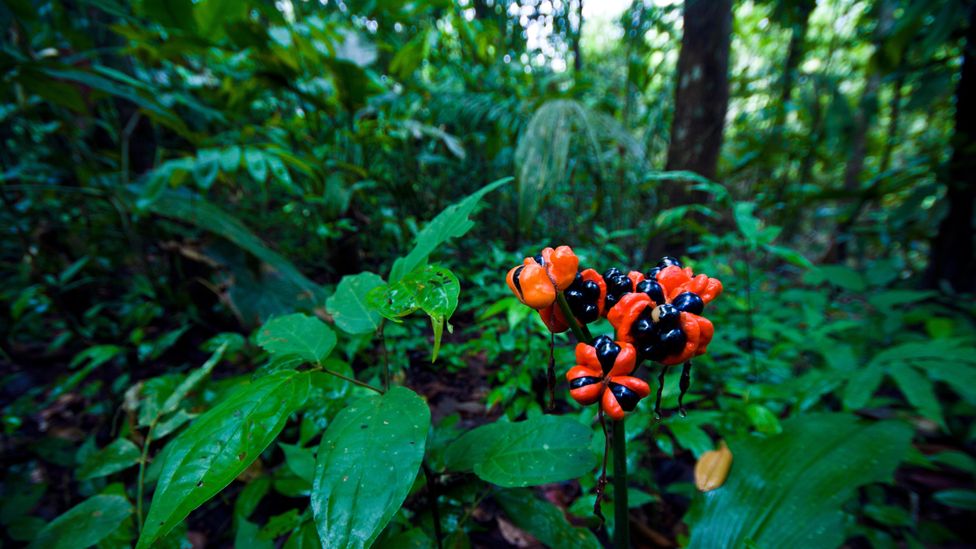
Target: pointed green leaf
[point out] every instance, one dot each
(85, 524)
(862, 384)
(219, 445)
(119, 455)
(349, 306)
(536, 451)
(366, 464)
(919, 391)
(787, 490)
(450, 223)
(297, 335)
(543, 520)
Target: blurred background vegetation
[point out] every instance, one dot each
(176, 172)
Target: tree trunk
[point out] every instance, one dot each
(577, 38)
(701, 96)
(952, 259)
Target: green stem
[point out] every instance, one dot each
(386, 358)
(581, 332)
(142, 473)
(621, 529)
(351, 380)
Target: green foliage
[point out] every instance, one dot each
(219, 217)
(536, 451)
(219, 445)
(366, 464)
(85, 524)
(780, 492)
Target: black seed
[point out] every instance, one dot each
(517, 283)
(590, 290)
(590, 313)
(583, 381)
(611, 273)
(668, 316)
(606, 352)
(673, 341)
(574, 294)
(653, 290)
(652, 274)
(626, 397)
(652, 351)
(642, 329)
(538, 259)
(689, 302)
(668, 261)
(619, 285)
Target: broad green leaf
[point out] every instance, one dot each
(349, 307)
(842, 277)
(252, 494)
(300, 460)
(305, 537)
(280, 525)
(749, 225)
(543, 520)
(119, 455)
(958, 498)
(85, 524)
(247, 535)
(919, 391)
(472, 447)
(194, 209)
(230, 159)
(787, 490)
(861, 385)
(297, 335)
(690, 436)
(450, 223)
(212, 16)
(366, 464)
(256, 165)
(536, 451)
(219, 445)
(763, 419)
(957, 374)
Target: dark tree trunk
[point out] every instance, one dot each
(952, 259)
(701, 99)
(701, 96)
(577, 38)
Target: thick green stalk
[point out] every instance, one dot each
(581, 332)
(621, 528)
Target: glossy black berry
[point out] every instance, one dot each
(689, 302)
(652, 289)
(673, 341)
(652, 351)
(618, 285)
(668, 316)
(583, 381)
(582, 297)
(642, 329)
(606, 352)
(652, 274)
(626, 397)
(591, 290)
(668, 261)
